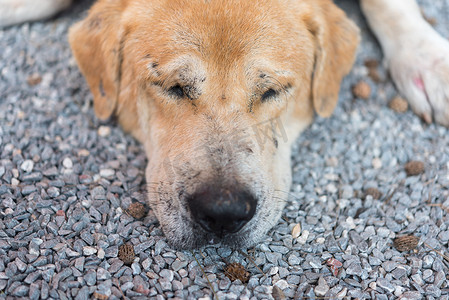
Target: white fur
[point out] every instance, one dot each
(417, 56)
(19, 11)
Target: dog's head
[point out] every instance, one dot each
(216, 91)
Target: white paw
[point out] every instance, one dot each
(419, 66)
(18, 11)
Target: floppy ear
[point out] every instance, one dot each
(97, 44)
(336, 38)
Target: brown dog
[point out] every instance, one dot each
(216, 91)
(190, 79)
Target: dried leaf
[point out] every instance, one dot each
(137, 210)
(414, 167)
(373, 192)
(361, 90)
(406, 242)
(236, 271)
(126, 253)
(398, 104)
(34, 79)
(371, 63)
(374, 75)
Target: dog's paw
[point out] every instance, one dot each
(14, 12)
(419, 67)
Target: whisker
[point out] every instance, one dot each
(161, 182)
(282, 199)
(288, 193)
(205, 275)
(252, 261)
(136, 188)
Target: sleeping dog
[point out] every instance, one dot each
(217, 91)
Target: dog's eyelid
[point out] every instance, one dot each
(176, 91)
(269, 94)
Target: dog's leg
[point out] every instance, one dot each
(417, 56)
(19, 11)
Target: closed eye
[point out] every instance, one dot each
(269, 94)
(176, 91)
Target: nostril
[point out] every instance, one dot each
(216, 225)
(208, 223)
(222, 210)
(236, 225)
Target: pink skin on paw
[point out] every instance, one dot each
(419, 83)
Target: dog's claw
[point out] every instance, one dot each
(426, 118)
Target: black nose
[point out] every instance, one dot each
(222, 211)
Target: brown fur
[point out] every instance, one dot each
(225, 55)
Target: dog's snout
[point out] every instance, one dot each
(222, 211)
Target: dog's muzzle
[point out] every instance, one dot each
(222, 211)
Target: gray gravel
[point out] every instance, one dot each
(66, 180)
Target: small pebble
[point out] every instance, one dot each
(107, 173)
(427, 261)
(303, 238)
(27, 165)
(83, 153)
(87, 250)
(277, 293)
(385, 284)
(104, 131)
(296, 231)
(100, 253)
(322, 288)
(67, 163)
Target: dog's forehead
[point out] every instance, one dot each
(222, 35)
(224, 29)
